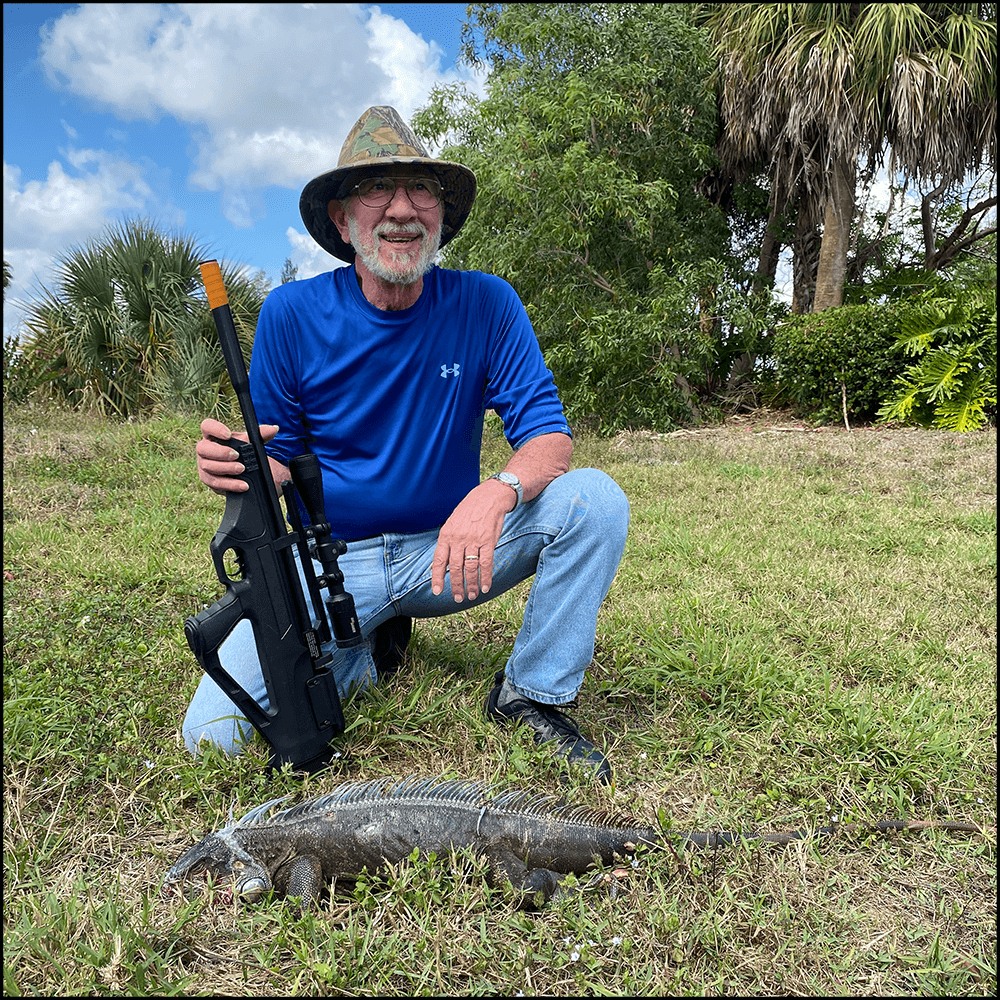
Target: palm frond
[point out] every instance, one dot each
(129, 316)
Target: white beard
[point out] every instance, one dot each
(407, 265)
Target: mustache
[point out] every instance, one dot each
(400, 229)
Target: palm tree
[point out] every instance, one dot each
(127, 329)
(824, 95)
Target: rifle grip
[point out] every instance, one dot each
(206, 631)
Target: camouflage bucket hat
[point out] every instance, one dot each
(380, 140)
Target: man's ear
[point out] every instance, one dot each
(335, 209)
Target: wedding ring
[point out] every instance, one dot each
(471, 558)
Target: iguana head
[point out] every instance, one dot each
(216, 857)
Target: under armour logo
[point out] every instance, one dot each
(454, 370)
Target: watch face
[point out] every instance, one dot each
(509, 479)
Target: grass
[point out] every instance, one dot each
(803, 628)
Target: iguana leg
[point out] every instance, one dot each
(302, 878)
(536, 886)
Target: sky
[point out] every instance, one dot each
(204, 119)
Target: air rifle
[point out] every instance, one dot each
(254, 560)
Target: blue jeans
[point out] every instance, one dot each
(570, 538)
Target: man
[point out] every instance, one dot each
(384, 370)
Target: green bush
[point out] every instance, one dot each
(952, 384)
(843, 358)
(24, 372)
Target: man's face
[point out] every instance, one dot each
(396, 241)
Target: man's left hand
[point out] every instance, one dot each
(468, 539)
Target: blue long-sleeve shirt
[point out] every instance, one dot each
(392, 403)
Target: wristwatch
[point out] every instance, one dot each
(511, 480)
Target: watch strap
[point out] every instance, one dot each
(509, 479)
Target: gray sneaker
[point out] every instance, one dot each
(550, 726)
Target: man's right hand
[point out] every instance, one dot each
(218, 464)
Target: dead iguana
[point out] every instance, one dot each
(529, 840)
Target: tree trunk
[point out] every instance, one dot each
(837, 218)
(804, 261)
(770, 251)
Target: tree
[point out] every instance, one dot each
(598, 123)
(126, 328)
(823, 96)
(970, 224)
(289, 272)
(910, 244)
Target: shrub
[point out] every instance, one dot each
(953, 383)
(24, 372)
(839, 359)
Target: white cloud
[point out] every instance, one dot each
(45, 218)
(281, 156)
(269, 90)
(264, 94)
(412, 64)
(62, 204)
(308, 257)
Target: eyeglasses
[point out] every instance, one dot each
(377, 192)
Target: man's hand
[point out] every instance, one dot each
(218, 464)
(467, 540)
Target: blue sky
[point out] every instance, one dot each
(206, 119)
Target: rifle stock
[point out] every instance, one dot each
(254, 559)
